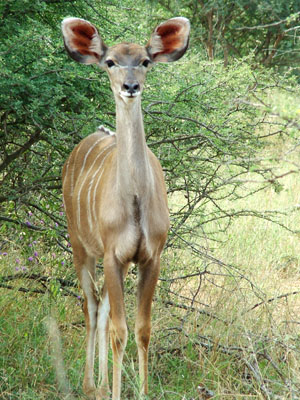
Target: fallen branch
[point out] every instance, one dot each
(194, 309)
(64, 284)
(38, 278)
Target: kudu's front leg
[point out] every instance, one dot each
(115, 272)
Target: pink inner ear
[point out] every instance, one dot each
(170, 38)
(84, 30)
(83, 35)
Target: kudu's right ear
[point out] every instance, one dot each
(170, 40)
(82, 41)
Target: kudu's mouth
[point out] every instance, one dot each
(128, 94)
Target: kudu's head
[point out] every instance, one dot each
(126, 63)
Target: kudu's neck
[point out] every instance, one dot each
(133, 168)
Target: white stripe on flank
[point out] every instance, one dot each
(90, 188)
(83, 182)
(73, 168)
(67, 169)
(63, 183)
(95, 187)
(88, 152)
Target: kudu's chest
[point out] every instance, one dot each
(110, 208)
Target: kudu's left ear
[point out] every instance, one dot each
(82, 41)
(169, 40)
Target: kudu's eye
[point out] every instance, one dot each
(145, 63)
(110, 63)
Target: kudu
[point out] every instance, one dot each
(115, 198)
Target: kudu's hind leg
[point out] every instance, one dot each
(86, 267)
(103, 337)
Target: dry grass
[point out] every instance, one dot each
(247, 329)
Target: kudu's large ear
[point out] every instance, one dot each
(169, 40)
(82, 41)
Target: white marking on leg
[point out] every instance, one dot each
(102, 322)
(87, 287)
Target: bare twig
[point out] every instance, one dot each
(277, 23)
(271, 300)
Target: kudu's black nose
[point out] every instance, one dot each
(131, 87)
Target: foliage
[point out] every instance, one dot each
(211, 117)
(227, 28)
